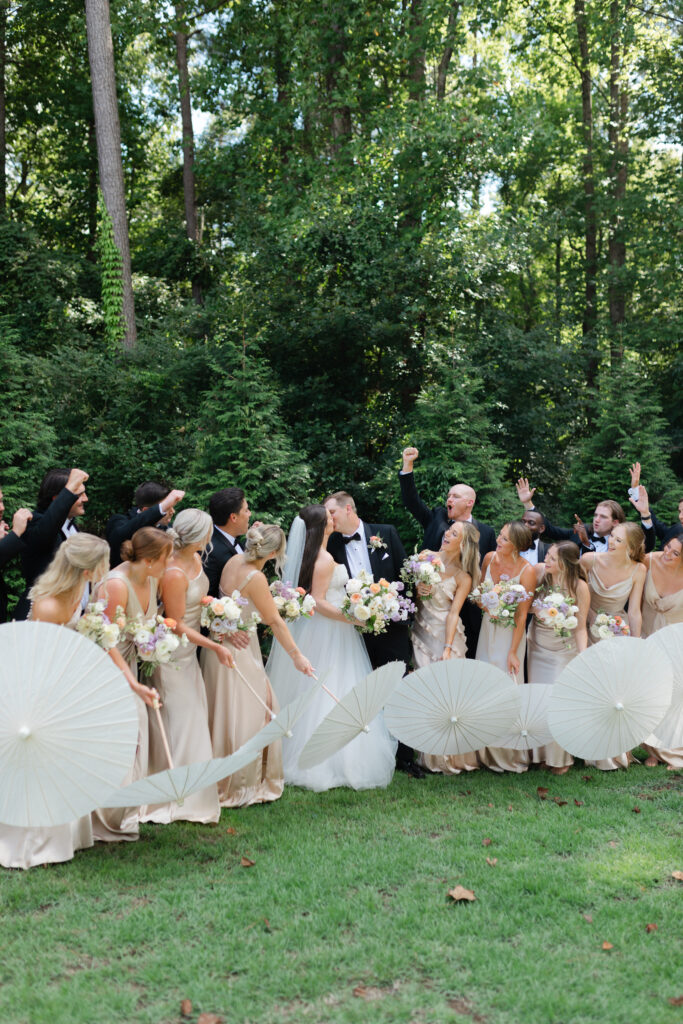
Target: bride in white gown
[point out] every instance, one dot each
(338, 653)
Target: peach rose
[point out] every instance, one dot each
(375, 588)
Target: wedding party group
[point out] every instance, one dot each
(180, 603)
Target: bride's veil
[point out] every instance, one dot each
(295, 551)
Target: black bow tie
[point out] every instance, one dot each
(354, 536)
(597, 539)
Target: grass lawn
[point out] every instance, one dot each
(345, 917)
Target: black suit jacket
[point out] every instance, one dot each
(394, 645)
(435, 521)
(221, 551)
(10, 547)
(42, 536)
(657, 532)
(555, 533)
(122, 527)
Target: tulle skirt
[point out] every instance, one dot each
(338, 654)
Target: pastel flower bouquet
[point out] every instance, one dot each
(291, 602)
(606, 627)
(372, 606)
(223, 615)
(500, 600)
(557, 610)
(96, 626)
(154, 639)
(423, 568)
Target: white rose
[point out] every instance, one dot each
(164, 649)
(571, 622)
(505, 614)
(555, 599)
(354, 587)
(142, 636)
(361, 612)
(279, 602)
(604, 632)
(292, 609)
(308, 604)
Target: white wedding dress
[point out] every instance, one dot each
(337, 652)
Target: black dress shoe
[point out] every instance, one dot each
(411, 768)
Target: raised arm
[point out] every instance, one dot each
(41, 532)
(263, 601)
(411, 499)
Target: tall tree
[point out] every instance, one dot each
(108, 132)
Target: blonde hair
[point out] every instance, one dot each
(635, 541)
(190, 527)
(469, 552)
(80, 553)
(266, 542)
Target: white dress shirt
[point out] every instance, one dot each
(531, 554)
(357, 553)
(235, 543)
(69, 530)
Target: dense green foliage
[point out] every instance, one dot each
(394, 209)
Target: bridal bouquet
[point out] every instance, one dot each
(223, 615)
(557, 610)
(371, 606)
(607, 626)
(95, 625)
(154, 640)
(500, 599)
(292, 602)
(423, 568)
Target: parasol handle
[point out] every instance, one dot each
(258, 698)
(327, 691)
(164, 738)
(514, 678)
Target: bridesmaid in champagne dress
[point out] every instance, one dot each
(437, 632)
(132, 587)
(547, 653)
(184, 711)
(501, 645)
(663, 606)
(56, 597)
(235, 714)
(614, 578)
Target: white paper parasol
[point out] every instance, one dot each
(610, 697)
(453, 707)
(531, 727)
(281, 724)
(175, 784)
(669, 732)
(68, 724)
(352, 714)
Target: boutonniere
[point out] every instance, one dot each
(376, 543)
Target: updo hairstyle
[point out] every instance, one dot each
(519, 535)
(266, 542)
(146, 543)
(191, 526)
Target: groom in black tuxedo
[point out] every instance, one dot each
(352, 545)
(458, 508)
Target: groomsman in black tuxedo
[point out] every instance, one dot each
(607, 515)
(11, 545)
(458, 508)
(153, 505)
(539, 548)
(230, 512)
(61, 498)
(351, 545)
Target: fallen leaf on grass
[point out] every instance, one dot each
(231, 831)
(186, 1008)
(460, 893)
(607, 945)
(267, 924)
(560, 803)
(492, 861)
(486, 842)
(650, 927)
(588, 918)
(510, 807)
(579, 803)
(490, 805)
(587, 778)
(678, 875)
(209, 1018)
(246, 863)
(612, 843)
(369, 993)
(542, 792)
(636, 810)
(676, 1000)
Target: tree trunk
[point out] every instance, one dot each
(417, 51)
(340, 114)
(108, 133)
(4, 5)
(449, 45)
(618, 170)
(91, 253)
(590, 216)
(189, 190)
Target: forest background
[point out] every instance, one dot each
(352, 226)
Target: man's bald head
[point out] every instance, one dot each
(460, 501)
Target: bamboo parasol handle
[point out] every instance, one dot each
(327, 691)
(164, 738)
(258, 698)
